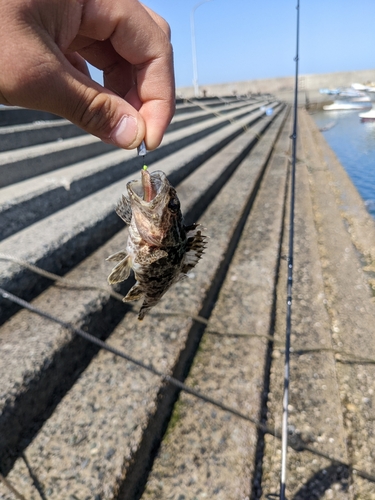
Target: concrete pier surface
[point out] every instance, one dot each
(78, 422)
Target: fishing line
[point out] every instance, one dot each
(296, 443)
(103, 345)
(341, 356)
(284, 430)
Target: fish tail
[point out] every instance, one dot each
(148, 303)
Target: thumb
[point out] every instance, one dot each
(96, 109)
(60, 88)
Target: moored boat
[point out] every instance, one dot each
(347, 105)
(369, 116)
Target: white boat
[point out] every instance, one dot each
(369, 116)
(363, 88)
(359, 86)
(330, 91)
(351, 94)
(347, 105)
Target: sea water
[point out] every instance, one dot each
(353, 142)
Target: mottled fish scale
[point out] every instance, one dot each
(160, 248)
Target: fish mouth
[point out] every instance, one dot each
(149, 198)
(150, 190)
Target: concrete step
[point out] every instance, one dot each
(13, 115)
(70, 460)
(186, 106)
(23, 135)
(203, 113)
(61, 240)
(21, 164)
(27, 202)
(10, 115)
(40, 132)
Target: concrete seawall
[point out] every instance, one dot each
(283, 87)
(77, 422)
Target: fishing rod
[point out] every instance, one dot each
(284, 432)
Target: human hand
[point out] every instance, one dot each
(44, 45)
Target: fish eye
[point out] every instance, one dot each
(174, 204)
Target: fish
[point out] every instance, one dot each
(160, 248)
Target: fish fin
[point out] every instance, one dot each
(134, 293)
(147, 255)
(118, 256)
(120, 272)
(196, 243)
(191, 227)
(148, 304)
(142, 312)
(124, 209)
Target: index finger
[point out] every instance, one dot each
(140, 40)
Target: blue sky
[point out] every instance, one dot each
(247, 39)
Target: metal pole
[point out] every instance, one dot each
(194, 48)
(284, 432)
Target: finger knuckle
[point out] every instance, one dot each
(95, 114)
(165, 27)
(162, 24)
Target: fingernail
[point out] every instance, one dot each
(125, 132)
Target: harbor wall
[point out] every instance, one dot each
(283, 87)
